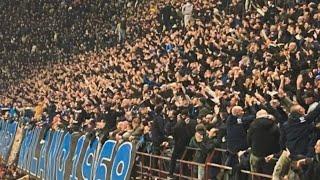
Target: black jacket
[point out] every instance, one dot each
(263, 137)
(157, 130)
(181, 135)
(169, 127)
(236, 132)
(297, 132)
(278, 113)
(204, 147)
(111, 118)
(313, 169)
(51, 110)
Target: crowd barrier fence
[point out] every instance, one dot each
(145, 169)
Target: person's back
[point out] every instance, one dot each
(187, 9)
(111, 117)
(297, 133)
(236, 135)
(51, 110)
(263, 137)
(313, 168)
(38, 111)
(236, 132)
(166, 12)
(180, 135)
(157, 129)
(123, 25)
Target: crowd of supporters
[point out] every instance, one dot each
(240, 75)
(39, 33)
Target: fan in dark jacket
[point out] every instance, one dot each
(297, 132)
(181, 136)
(207, 143)
(263, 138)
(204, 144)
(51, 110)
(310, 166)
(236, 132)
(157, 129)
(313, 164)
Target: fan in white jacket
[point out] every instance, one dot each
(187, 10)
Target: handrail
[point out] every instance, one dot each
(198, 149)
(243, 171)
(167, 158)
(164, 172)
(220, 149)
(206, 165)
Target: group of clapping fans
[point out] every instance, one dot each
(239, 75)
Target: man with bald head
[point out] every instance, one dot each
(297, 132)
(236, 132)
(263, 138)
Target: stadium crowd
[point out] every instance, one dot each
(240, 75)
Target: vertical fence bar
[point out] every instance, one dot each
(191, 164)
(142, 162)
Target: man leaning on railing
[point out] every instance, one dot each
(204, 143)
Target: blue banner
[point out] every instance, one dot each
(47, 154)
(7, 133)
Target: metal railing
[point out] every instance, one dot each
(152, 166)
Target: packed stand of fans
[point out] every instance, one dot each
(240, 75)
(39, 33)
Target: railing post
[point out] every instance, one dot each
(180, 172)
(150, 171)
(206, 171)
(191, 172)
(160, 167)
(181, 167)
(207, 165)
(142, 162)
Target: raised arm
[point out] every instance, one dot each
(313, 114)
